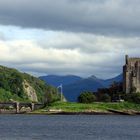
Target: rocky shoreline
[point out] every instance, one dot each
(59, 112)
(109, 112)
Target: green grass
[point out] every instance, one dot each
(79, 107)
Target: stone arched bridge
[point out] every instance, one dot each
(19, 105)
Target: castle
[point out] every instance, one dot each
(131, 75)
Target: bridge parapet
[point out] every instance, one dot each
(19, 105)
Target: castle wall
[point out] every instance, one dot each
(131, 75)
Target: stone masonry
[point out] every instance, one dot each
(131, 75)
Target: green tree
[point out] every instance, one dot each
(51, 95)
(87, 97)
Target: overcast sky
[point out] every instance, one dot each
(79, 37)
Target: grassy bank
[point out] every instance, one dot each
(94, 107)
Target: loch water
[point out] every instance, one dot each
(69, 127)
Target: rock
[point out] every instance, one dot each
(30, 91)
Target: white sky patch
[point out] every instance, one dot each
(18, 33)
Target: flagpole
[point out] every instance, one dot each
(61, 91)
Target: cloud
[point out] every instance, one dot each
(107, 17)
(82, 37)
(2, 37)
(69, 53)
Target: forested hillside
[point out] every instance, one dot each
(15, 85)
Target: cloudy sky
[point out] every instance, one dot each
(79, 37)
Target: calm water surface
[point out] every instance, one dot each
(71, 127)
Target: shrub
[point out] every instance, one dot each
(105, 98)
(87, 97)
(6, 96)
(133, 97)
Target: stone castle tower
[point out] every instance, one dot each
(131, 75)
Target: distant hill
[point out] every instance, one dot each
(17, 86)
(56, 80)
(72, 91)
(108, 82)
(74, 85)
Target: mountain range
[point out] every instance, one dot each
(73, 85)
